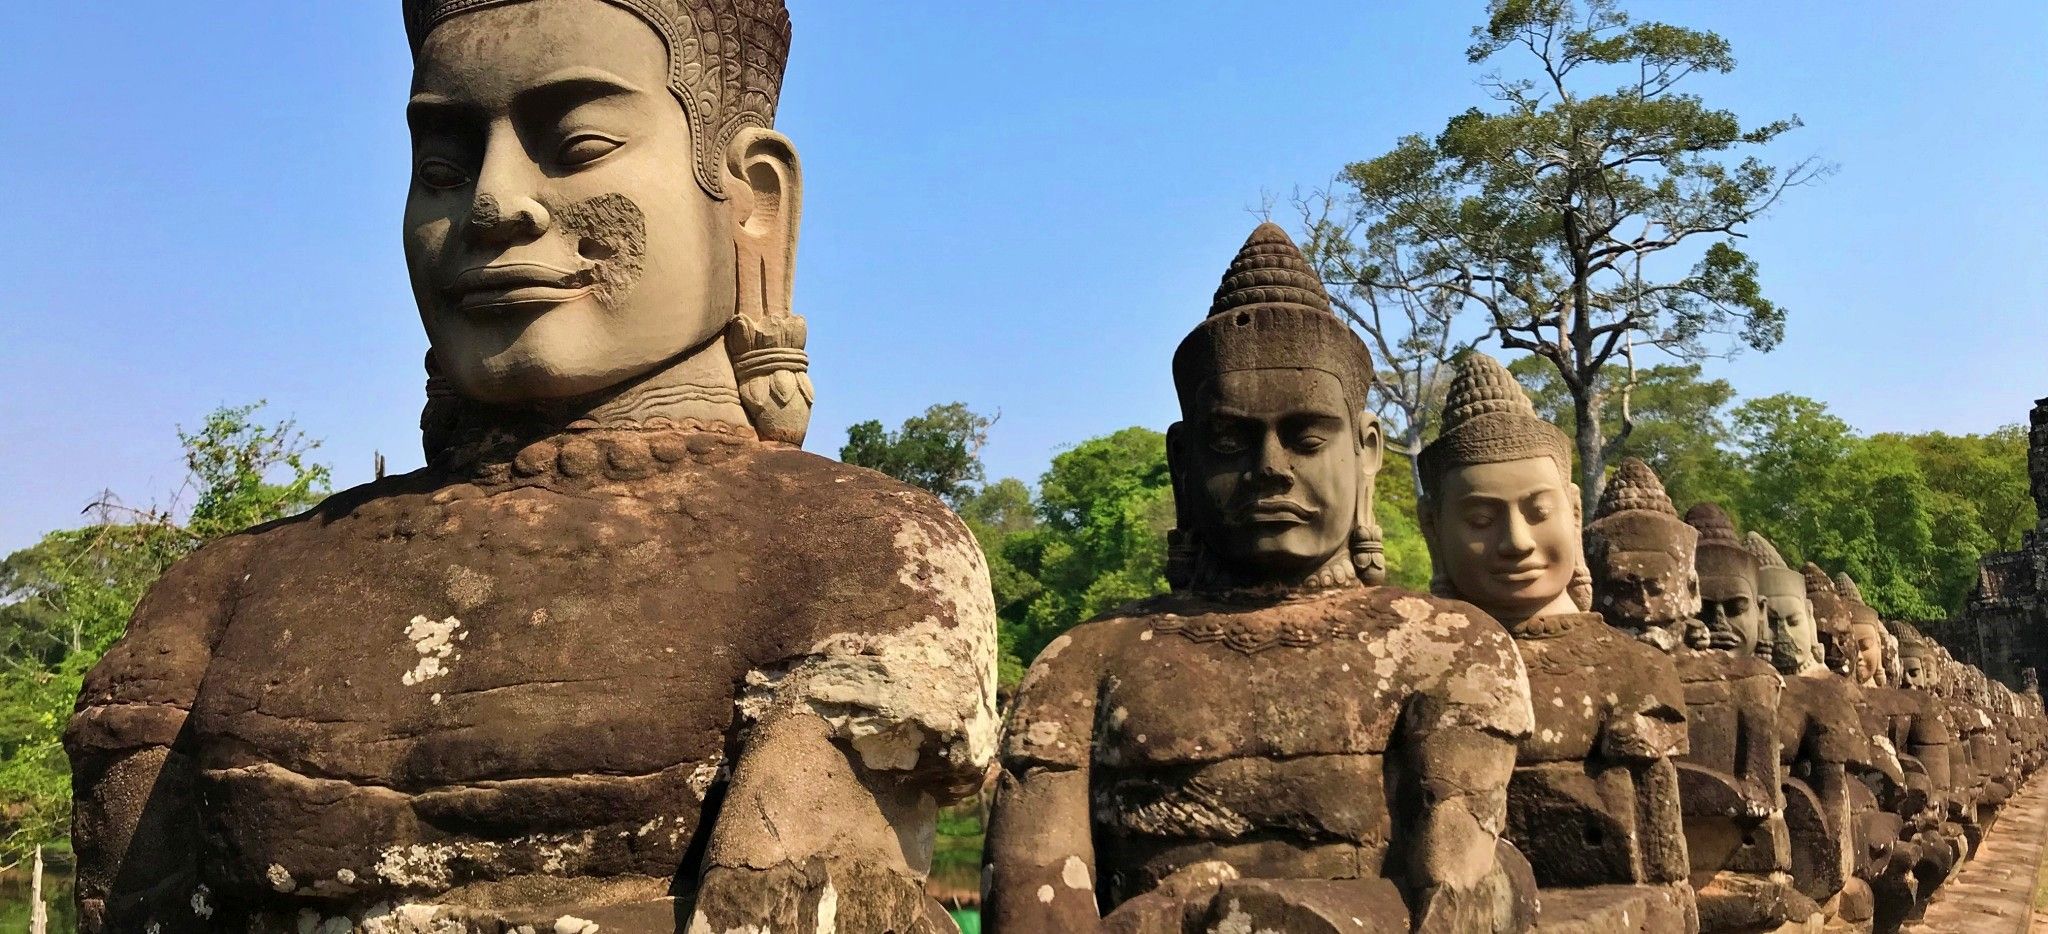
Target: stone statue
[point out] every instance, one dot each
(1736, 828)
(621, 657)
(1913, 723)
(1832, 622)
(1823, 747)
(1594, 800)
(1732, 611)
(1640, 556)
(1276, 744)
(1886, 807)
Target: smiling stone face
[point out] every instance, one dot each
(556, 246)
(1507, 537)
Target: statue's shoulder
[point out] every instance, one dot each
(1429, 617)
(810, 494)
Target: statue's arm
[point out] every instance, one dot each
(1757, 718)
(810, 837)
(1039, 860)
(134, 825)
(830, 815)
(1463, 741)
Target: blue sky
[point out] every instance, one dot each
(1019, 206)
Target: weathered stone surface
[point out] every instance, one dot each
(1277, 745)
(1594, 797)
(620, 653)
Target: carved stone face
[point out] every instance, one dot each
(1869, 653)
(1794, 634)
(1645, 589)
(557, 240)
(1729, 603)
(1507, 535)
(1274, 465)
(1916, 673)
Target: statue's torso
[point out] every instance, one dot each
(1589, 799)
(431, 683)
(1263, 736)
(1727, 696)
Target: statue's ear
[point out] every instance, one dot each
(766, 195)
(1372, 448)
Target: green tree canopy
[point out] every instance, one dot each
(939, 451)
(1596, 208)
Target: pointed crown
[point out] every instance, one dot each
(1846, 587)
(1774, 577)
(1722, 552)
(1767, 554)
(1635, 488)
(1271, 312)
(725, 63)
(1716, 528)
(1488, 420)
(1635, 514)
(1817, 581)
(1852, 597)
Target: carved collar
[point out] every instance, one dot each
(1550, 627)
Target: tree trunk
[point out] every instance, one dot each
(1590, 438)
(1414, 442)
(38, 912)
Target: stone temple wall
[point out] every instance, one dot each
(2004, 627)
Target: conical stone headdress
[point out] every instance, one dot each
(725, 63)
(1774, 576)
(1271, 312)
(1852, 597)
(1488, 420)
(1636, 514)
(1721, 552)
(1829, 609)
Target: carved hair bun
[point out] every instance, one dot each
(1269, 270)
(1635, 487)
(1715, 526)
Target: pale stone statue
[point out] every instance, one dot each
(1276, 745)
(1594, 800)
(1914, 724)
(1822, 745)
(621, 657)
(1735, 823)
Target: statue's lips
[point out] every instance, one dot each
(1276, 512)
(518, 284)
(1519, 575)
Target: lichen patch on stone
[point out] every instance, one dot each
(435, 643)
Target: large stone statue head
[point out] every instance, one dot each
(1499, 509)
(1274, 457)
(1868, 633)
(1731, 607)
(1794, 639)
(597, 196)
(1641, 554)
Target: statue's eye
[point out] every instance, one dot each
(1309, 443)
(585, 148)
(440, 173)
(1226, 443)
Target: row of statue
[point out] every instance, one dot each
(623, 658)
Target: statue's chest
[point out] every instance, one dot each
(1172, 701)
(477, 642)
(1571, 704)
